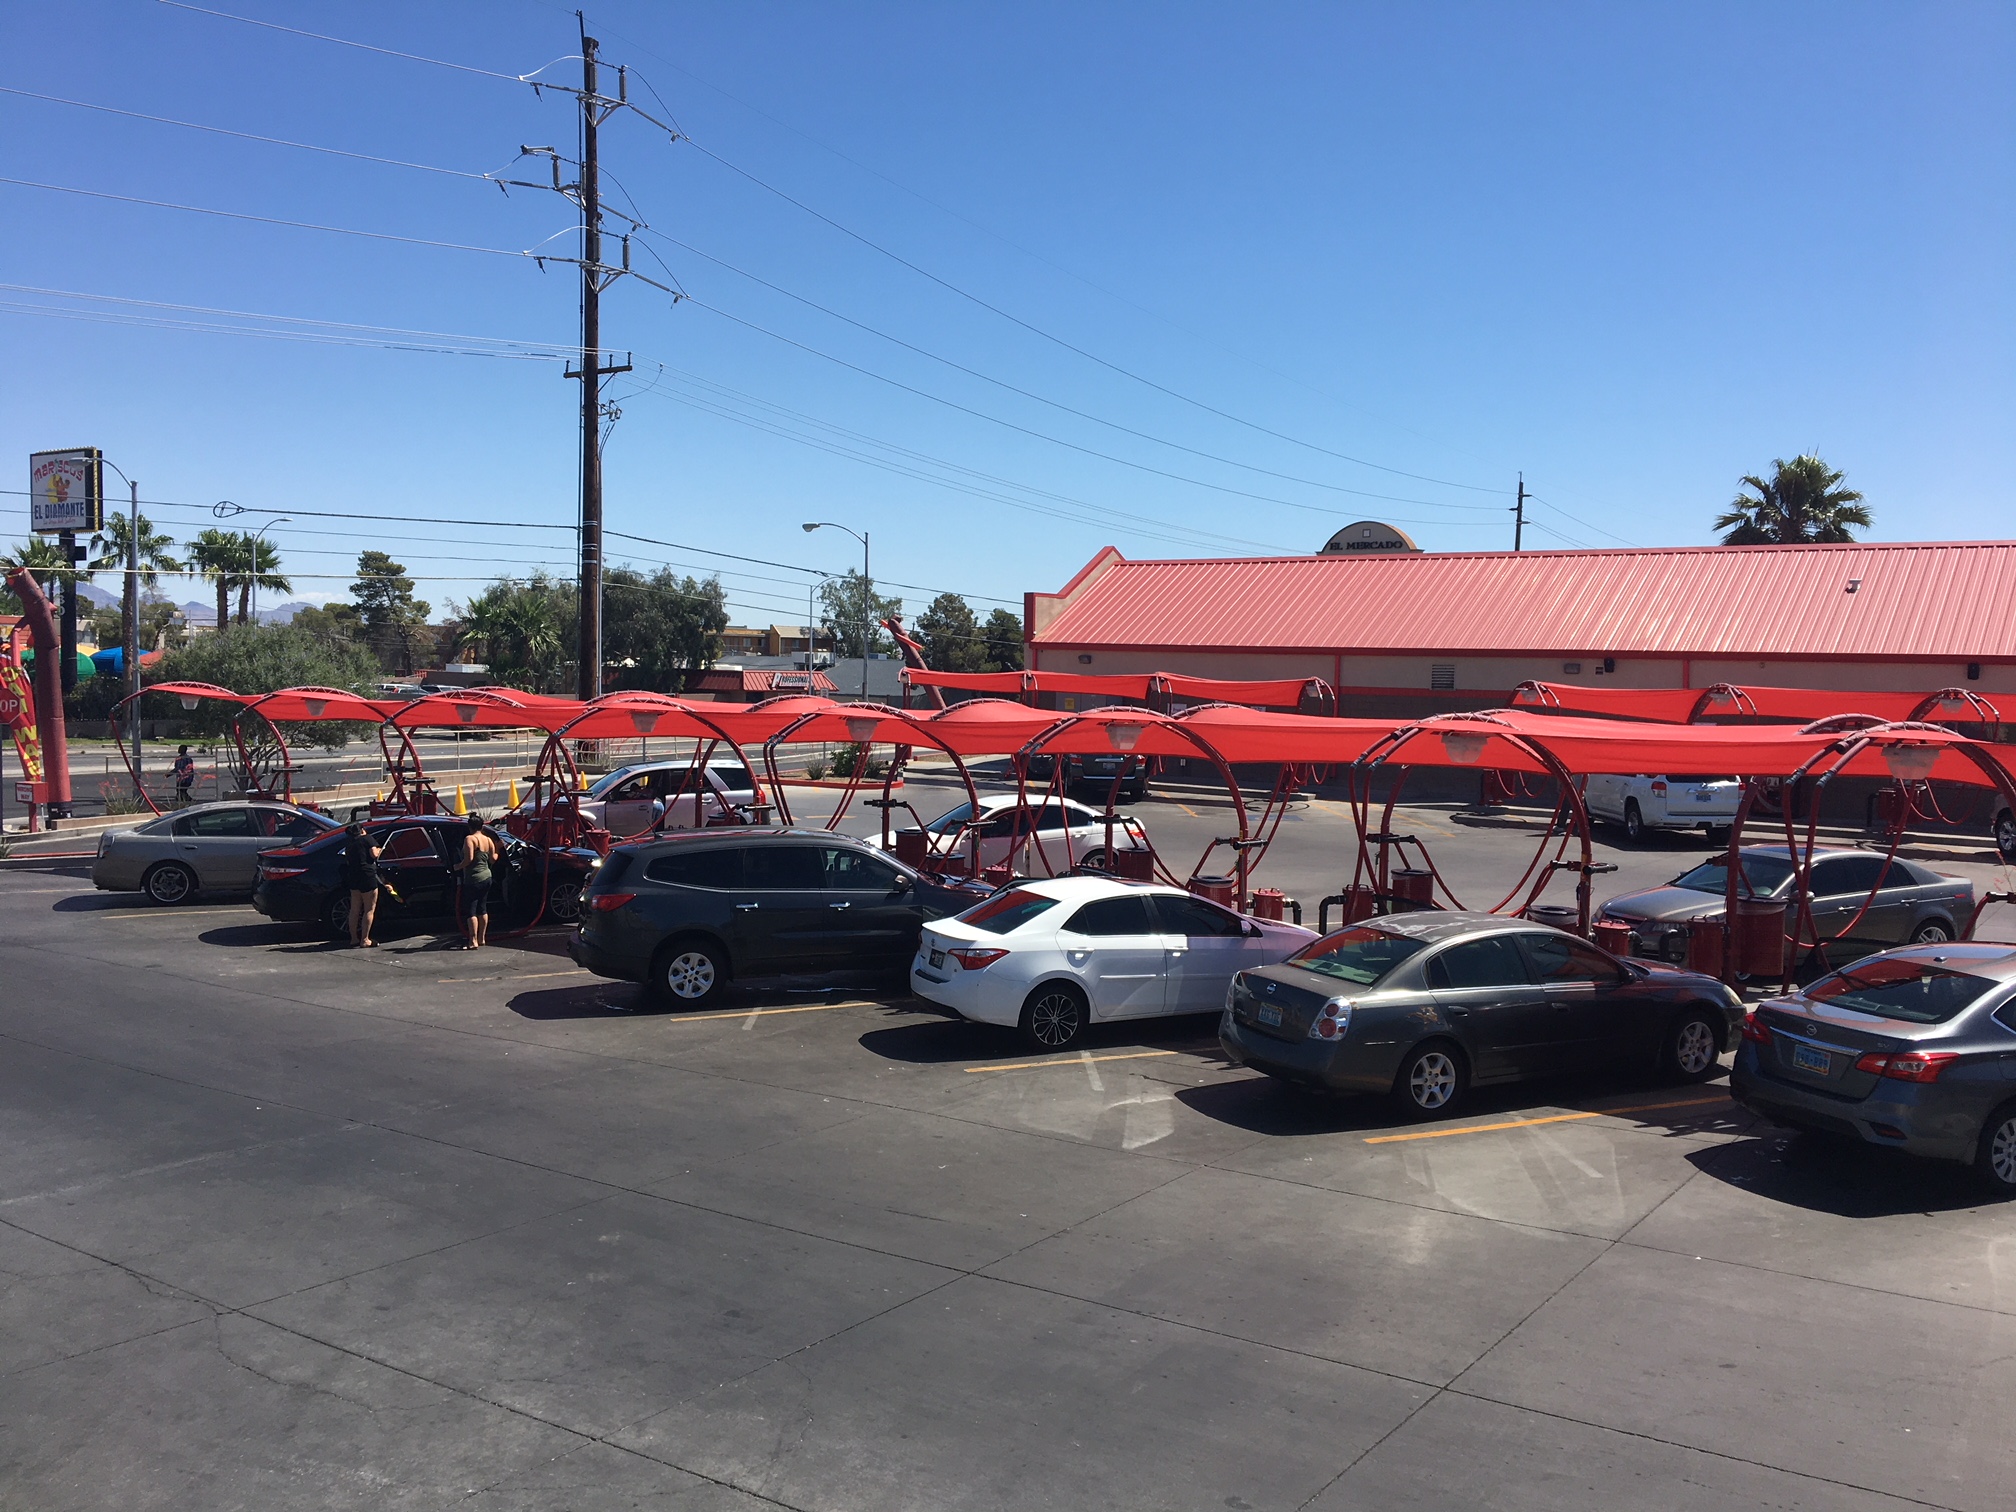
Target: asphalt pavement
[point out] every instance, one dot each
(289, 1225)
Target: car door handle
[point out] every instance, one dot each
(839, 905)
(745, 907)
(1457, 1013)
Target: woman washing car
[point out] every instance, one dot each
(360, 875)
(479, 855)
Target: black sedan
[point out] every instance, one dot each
(304, 884)
(1424, 1006)
(1914, 1049)
(688, 913)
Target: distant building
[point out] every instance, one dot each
(776, 640)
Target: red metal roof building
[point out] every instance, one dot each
(1405, 634)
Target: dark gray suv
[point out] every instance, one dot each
(1915, 1049)
(688, 913)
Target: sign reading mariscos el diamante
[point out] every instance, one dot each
(64, 491)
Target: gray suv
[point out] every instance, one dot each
(688, 913)
(1914, 1049)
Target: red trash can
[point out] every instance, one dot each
(1134, 865)
(1267, 904)
(1704, 945)
(1223, 890)
(1415, 886)
(1758, 940)
(912, 846)
(1612, 935)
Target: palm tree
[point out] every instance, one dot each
(112, 541)
(1803, 501)
(258, 566)
(44, 558)
(215, 555)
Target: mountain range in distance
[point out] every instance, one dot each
(194, 612)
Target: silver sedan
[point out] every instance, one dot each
(206, 846)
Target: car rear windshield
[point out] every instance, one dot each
(1007, 912)
(1765, 875)
(1361, 956)
(951, 819)
(1918, 992)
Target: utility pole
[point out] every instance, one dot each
(1519, 517)
(129, 617)
(66, 542)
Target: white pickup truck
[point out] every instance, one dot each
(1644, 803)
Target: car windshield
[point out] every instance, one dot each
(1917, 992)
(1007, 912)
(1764, 874)
(604, 783)
(950, 820)
(1360, 956)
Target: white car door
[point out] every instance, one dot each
(1603, 794)
(629, 809)
(1206, 945)
(1113, 945)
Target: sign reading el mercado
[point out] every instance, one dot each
(1368, 535)
(65, 491)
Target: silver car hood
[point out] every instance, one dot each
(1666, 904)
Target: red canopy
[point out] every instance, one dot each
(1724, 701)
(1284, 693)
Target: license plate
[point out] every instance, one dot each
(1704, 797)
(1816, 1061)
(1268, 1013)
(937, 958)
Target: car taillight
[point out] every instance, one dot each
(1756, 1030)
(1331, 1023)
(1658, 787)
(609, 902)
(1910, 1065)
(269, 871)
(281, 850)
(974, 958)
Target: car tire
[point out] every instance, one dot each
(169, 883)
(1054, 1017)
(1932, 932)
(1634, 822)
(336, 914)
(1097, 860)
(689, 973)
(563, 903)
(2005, 835)
(1995, 1156)
(1691, 1049)
(1718, 836)
(1432, 1080)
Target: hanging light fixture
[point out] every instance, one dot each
(1913, 762)
(316, 706)
(1464, 750)
(644, 721)
(466, 713)
(189, 700)
(861, 729)
(1123, 735)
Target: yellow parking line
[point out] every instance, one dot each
(1527, 1123)
(743, 1013)
(1073, 1060)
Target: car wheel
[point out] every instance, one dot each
(1054, 1017)
(336, 914)
(1932, 932)
(1098, 860)
(1995, 1158)
(2005, 835)
(1432, 1080)
(170, 882)
(1634, 821)
(689, 973)
(563, 903)
(1718, 836)
(1690, 1050)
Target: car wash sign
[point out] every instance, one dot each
(65, 491)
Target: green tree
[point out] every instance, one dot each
(663, 626)
(391, 615)
(950, 635)
(258, 565)
(525, 631)
(1802, 501)
(848, 605)
(261, 659)
(154, 557)
(214, 555)
(1002, 635)
(44, 559)
(334, 624)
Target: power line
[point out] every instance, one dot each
(268, 220)
(1598, 529)
(247, 136)
(334, 514)
(1055, 404)
(488, 73)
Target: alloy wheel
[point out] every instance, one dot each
(1694, 1048)
(1433, 1081)
(1054, 1019)
(2002, 1152)
(690, 975)
(1931, 934)
(170, 884)
(564, 902)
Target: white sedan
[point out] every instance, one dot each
(1065, 834)
(1050, 957)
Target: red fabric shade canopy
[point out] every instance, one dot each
(1283, 693)
(1797, 705)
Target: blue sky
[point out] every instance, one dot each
(1632, 251)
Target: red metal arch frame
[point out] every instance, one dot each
(190, 690)
(1569, 806)
(872, 717)
(646, 711)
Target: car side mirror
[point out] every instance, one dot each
(904, 884)
(1254, 931)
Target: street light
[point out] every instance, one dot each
(129, 616)
(224, 509)
(862, 537)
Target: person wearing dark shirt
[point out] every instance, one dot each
(360, 875)
(185, 776)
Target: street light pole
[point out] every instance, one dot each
(129, 616)
(257, 536)
(867, 587)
